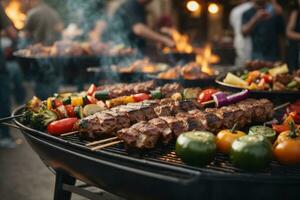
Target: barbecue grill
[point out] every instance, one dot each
(155, 174)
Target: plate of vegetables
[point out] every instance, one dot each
(266, 82)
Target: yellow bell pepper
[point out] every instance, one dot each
(77, 101)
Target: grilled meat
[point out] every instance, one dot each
(212, 119)
(168, 89)
(164, 129)
(123, 116)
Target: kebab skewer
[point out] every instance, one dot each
(146, 135)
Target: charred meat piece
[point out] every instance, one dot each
(230, 115)
(177, 126)
(98, 123)
(269, 108)
(141, 135)
(164, 129)
(169, 89)
(247, 109)
(149, 113)
(122, 120)
(163, 110)
(188, 105)
(211, 121)
(193, 122)
(129, 136)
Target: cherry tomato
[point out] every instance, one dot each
(141, 97)
(206, 95)
(61, 126)
(91, 89)
(92, 100)
(267, 78)
(225, 138)
(287, 148)
(70, 110)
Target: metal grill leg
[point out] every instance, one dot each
(59, 192)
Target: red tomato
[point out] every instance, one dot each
(293, 108)
(61, 126)
(267, 78)
(57, 103)
(91, 89)
(279, 128)
(206, 95)
(141, 97)
(70, 110)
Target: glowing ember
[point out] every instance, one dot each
(14, 12)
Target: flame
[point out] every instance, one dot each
(182, 43)
(14, 12)
(205, 57)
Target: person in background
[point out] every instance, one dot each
(43, 24)
(6, 26)
(129, 27)
(264, 23)
(293, 34)
(242, 45)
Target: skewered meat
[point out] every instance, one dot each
(164, 129)
(243, 113)
(123, 116)
(168, 89)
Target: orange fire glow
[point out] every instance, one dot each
(204, 57)
(14, 12)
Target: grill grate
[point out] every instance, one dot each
(220, 165)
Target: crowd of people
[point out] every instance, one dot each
(261, 31)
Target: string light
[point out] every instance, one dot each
(193, 6)
(213, 8)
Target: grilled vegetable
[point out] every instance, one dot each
(220, 99)
(70, 110)
(66, 101)
(102, 95)
(53, 103)
(141, 97)
(235, 80)
(61, 112)
(287, 147)
(279, 70)
(92, 109)
(206, 95)
(265, 131)
(39, 119)
(197, 148)
(77, 101)
(177, 96)
(119, 101)
(238, 96)
(61, 126)
(78, 112)
(225, 138)
(191, 93)
(155, 94)
(91, 89)
(279, 128)
(251, 152)
(91, 100)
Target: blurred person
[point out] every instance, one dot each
(128, 25)
(264, 23)
(43, 24)
(6, 26)
(242, 45)
(293, 34)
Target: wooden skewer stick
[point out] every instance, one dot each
(282, 106)
(10, 118)
(106, 145)
(208, 102)
(101, 141)
(70, 133)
